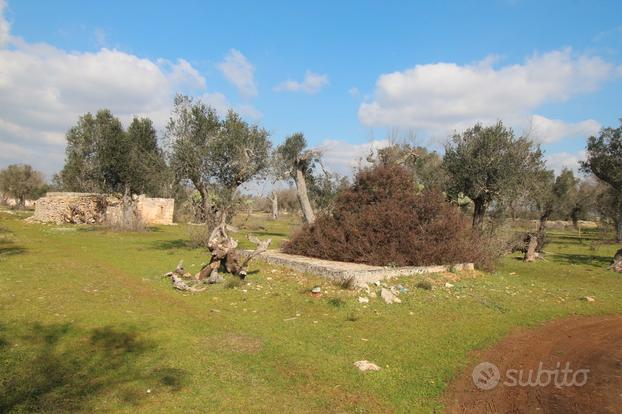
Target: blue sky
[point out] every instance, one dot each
(344, 73)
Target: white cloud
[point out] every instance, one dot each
(44, 89)
(342, 157)
(5, 27)
(312, 83)
(240, 72)
(561, 160)
(441, 97)
(545, 130)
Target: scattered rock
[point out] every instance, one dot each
(365, 365)
(588, 299)
(448, 285)
(363, 299)
(377, 283)
(361, 286)
(316, 289)
(389, 297)
(215, 277)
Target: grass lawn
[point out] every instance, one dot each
(89, 324)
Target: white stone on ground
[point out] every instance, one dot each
(365, 365)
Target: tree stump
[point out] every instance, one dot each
(531, 254)
(616, 264)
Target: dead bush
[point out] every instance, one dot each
(382, 219)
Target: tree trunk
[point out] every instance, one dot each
(531, 254)
(574, 216)
(205, 203)
(275, 206)
(616, 264)
(478, 213)
(618, 224)
(303, 197)
(541, 234)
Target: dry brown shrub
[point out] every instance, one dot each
(383, 220)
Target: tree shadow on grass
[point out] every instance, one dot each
(171, 244)
(58, 368)
(8, 248)
(581, 259)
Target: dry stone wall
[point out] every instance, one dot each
(91, 208)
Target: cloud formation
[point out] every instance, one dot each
(547, 131)
(342, 157)
(5, 27)
(44, 89)
(311, 84)
(561, 160)
(237, 69)
(441, 97)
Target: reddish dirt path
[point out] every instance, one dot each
(593, 343)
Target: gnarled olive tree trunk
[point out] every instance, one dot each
(303, 197)
(479, 212)
(275, 206)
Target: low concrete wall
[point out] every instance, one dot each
(362, 273)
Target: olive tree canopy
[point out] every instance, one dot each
(21, 182)
(487, 162)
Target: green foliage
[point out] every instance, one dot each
(150, 175)
(604, 156)
(238, 152)
(487, 164)
(554, 195)
(425, 166)
(293, 155)
(102, 157)
(424, 284)
(323, 189)
(214, 154)
(21, 182)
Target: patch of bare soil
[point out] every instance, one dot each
(544, 370)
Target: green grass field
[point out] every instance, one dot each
(90, 325)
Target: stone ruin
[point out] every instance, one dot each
(93, 208)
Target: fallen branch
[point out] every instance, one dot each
(178, 283)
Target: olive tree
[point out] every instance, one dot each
(604, 160)
(215, 154)
(552, 195)
(102, 157)
(21, 182)
(190, 130)
(292, 159)
(238, 153)
(425, 165)
(485, 163)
